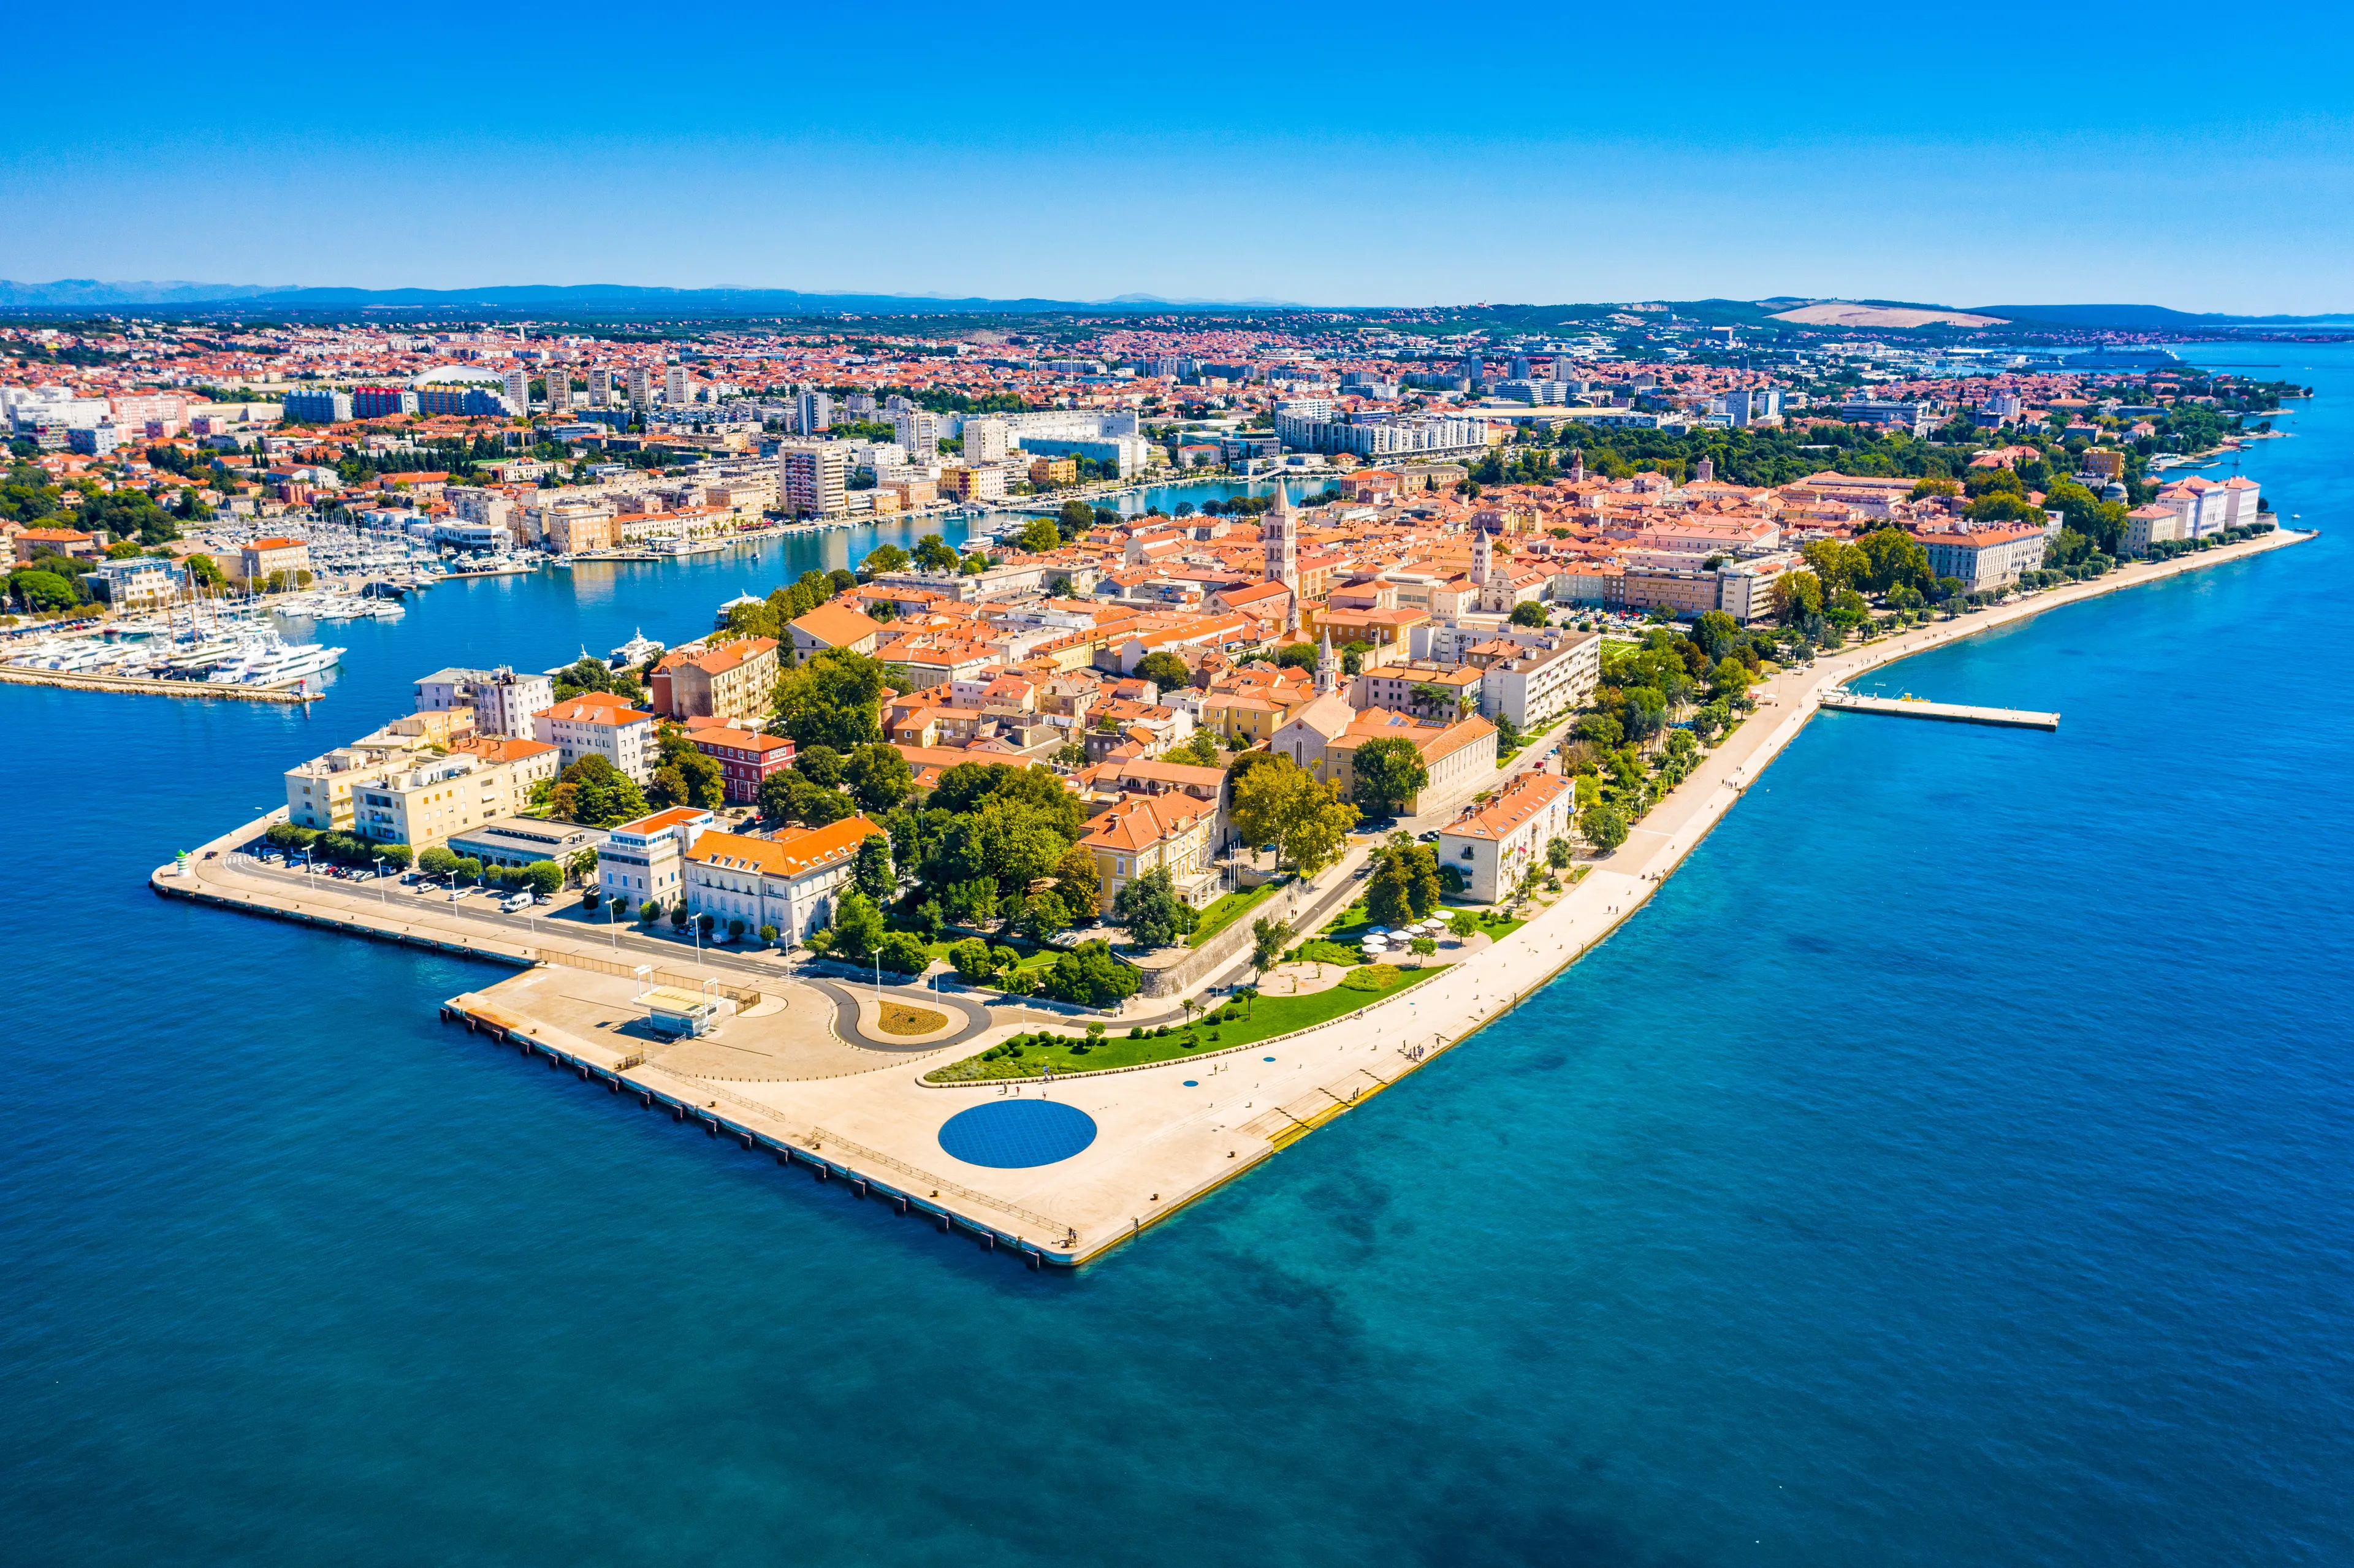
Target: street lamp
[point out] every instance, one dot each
(380, 895)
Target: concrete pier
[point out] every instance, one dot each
(1845, 701)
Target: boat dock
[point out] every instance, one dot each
(1845, 701)
(72, 680)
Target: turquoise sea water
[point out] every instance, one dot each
(1949, 1167)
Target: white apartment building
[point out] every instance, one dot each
(1495, 845)
(985, 441)
(603, 725)
(1533, 688)
(645, 859)
(813, 478)
(1986, 558)
(642, 387)
(674, 390)
(919, 431)
(503, 701)
(414, 798)
(789, 882)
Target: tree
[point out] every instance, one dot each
(1423, 947)
(42, 590)
(972, 958)
(1077, 886)
(1277, 802)
(858, 925)
(1270, 936)
(872, 873)
(1149, 907)
(904, 952)
(469, 869)
(834, 700)
(1297, 656)
(1731, 676)
(545, 876)
(1404, 884)
(1199, 750)
(1042, 917)
(1389, 773)
(884, 558)
(437, 860)
(1604, 826)
(1558, 854)
(1717, 633)
(1464, 925)
(596, 794)
(878, 777)
(1796, 596)
(1089, 975)
(973, 902)
(1164, 670)
(821, 765)
(1530, 613)
(1040, 535)
(934, 555)
(1895, 559)
(581, 865)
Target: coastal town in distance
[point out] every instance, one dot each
(1224, 714)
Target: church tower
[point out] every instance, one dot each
(1483, 555)
(1328, 667)
(1278, 532)
(1704, 472)
(1577, 465)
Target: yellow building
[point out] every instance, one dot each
(1054, 471)
(1143, 833)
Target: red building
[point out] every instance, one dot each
(747, 756)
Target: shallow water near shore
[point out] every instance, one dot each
(1950, 1166)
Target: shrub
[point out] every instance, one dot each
(1371, 977)
(904, 952)
(768, 934)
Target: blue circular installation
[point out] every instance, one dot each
(1010, 1134)
(1190, 1083)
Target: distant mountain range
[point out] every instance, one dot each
(78, 292)
(623, 298)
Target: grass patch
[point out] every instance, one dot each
(1221, 1029)
(1227, 909)
(898, 1018)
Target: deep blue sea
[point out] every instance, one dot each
(1953, 1165)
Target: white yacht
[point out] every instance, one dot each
(268, 661)
(636, 651)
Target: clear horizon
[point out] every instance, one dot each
(1232, 155)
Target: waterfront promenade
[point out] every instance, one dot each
(1166, 1133)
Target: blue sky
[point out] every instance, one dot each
(2197, 158)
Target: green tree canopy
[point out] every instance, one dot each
(1090, 975)
(1149, 907)
(1389, 772)
(1164, 670)
(596, 794)
(835, 699)
(1276, 802)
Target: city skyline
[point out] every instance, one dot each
(1085, 156)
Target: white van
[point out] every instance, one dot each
(514, 901)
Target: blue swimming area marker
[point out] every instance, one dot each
(1010, 1134)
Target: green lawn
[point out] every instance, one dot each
(1228, 909)
(1270, 1016)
